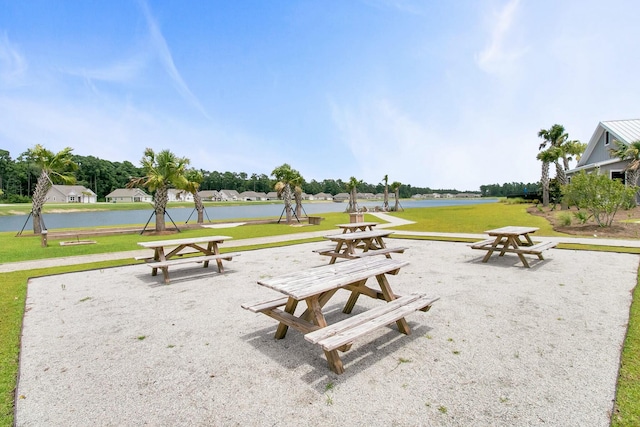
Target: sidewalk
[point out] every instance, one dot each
(391, 222)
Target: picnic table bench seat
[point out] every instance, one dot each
(187, 260)
(259, 307)
(341, 334)
(482, 244)
(383, 251)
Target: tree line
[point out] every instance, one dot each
(18, 179)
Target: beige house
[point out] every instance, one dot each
(128, 195)
(70, 194)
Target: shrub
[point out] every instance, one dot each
(599, 195)
(582, 217)
(565, 219)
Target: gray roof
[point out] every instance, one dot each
(73, 190)
(127, 192)
(624, 130)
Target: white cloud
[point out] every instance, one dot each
(500, 54)
(12, 63)
(166, 58)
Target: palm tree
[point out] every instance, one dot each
(553, 137)
(162, 171)
(286, 177)
(385, 206)
(395, 186)
(352, 186)
(546, 157)
(629, 152)
(58, 167)
(193, 179)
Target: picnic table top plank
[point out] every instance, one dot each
(306, 283)
(189, 241)
(358, 235)
(511, 230)
(357, 224)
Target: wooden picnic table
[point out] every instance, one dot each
(316, 286)
(513, 239)
(172, 252)
(357, 226)
(370, 242)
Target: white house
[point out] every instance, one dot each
(70, 194)
(252, 196)
(128, 195)
(226, 195)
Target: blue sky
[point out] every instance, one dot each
(439, 94)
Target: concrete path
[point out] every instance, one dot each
(391, 221)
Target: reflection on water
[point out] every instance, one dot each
(213, 213)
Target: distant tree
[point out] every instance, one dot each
(286, 177)
(395, 186)
(385, 206)
(162, 171)
(193, 179)
(58, 168)
(352, 186)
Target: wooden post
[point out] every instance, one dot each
(43, 235)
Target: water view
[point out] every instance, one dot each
(213, 213)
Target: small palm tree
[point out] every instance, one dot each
(58, 167)
(395, 186)
(553, 137)
(285, 178)
(385, 206)
(352, 186)
(546, 157)
(162, 171)
(630, 152)
(193, 179)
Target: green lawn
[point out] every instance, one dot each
(465, 219)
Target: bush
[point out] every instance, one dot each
(599, 195)
(565, 219)
(582, 217)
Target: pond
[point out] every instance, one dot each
(213, 213)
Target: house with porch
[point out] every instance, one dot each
(597, 155)
(70, 194)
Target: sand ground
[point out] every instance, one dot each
(504, 346)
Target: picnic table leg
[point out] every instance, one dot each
(333, 359)
(337, 251)
(165, 274)
(353, 298)
(403, 326)
(290, 307)
(494, 246)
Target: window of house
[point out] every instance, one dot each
(606, 138)
(619, 175)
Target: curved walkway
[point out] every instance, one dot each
(391, 221)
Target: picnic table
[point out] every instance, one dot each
(316, 286)
(172, 252)
(513, 239)
(357, 226)
(348, 245)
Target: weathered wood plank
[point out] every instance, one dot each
(346, 331)
(194, 259)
